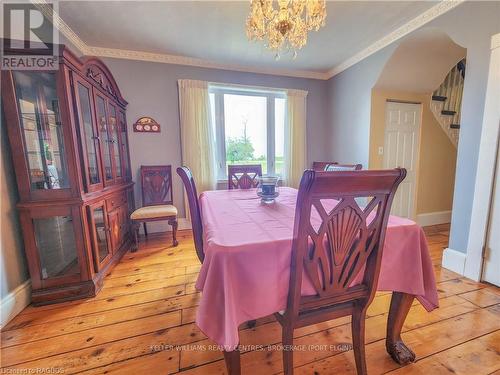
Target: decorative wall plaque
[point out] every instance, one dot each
(146, 125)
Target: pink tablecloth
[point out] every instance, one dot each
(246, 270)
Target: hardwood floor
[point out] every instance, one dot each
(142, 322)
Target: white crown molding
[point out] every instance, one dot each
(422, 19)
(62, 26)
(419, 21)
(495, 41)
(191, 61)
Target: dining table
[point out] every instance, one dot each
(246, 271)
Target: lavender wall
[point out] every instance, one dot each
(151, 89)
(13, 268)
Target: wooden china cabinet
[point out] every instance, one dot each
(68, 135)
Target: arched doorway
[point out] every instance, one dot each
(407, 129)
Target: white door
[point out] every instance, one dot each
(491, 271)
(402, 137)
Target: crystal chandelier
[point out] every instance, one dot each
(285, 28)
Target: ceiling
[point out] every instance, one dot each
(214, 30)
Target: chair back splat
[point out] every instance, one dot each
(156, 182)
(243, 176)
(157, 201)
(194, 209)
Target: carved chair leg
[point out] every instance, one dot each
(174, 224)
(287, 341)
(233, 363)
(135, 228)
(145, 229)
(358, 338)
(400, 306)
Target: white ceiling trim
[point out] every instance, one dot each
(419, 21)
(62, 26)
(184, 60)
(422, 19)
(495, 41)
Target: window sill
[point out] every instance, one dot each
(222, 184)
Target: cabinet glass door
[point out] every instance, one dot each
(42, 130)
(124, 144)
(100, 232)
(115, 140)
(90, 135)
(104, 135)
(56, 244)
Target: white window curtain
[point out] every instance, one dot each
(197, 136)
(295, 137)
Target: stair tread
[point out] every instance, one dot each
(447, 112)
(439, 98)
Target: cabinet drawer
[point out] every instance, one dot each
(116, 200)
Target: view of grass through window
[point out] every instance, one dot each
(246, 130)
(245, 122)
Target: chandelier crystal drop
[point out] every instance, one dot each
(284, 27)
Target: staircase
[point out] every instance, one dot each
(447, 101)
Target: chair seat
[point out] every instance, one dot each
(153, 212)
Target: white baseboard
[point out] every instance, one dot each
(14, 302)
(184, 223)
(163, 226)
(434, 218)
(454, 260)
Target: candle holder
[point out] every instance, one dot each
(268, 189)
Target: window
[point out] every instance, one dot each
(249, 128)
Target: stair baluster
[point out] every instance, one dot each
(447, 101)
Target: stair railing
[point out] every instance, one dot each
(447, 101)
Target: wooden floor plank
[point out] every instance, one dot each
(108, 353)
(72, 309)
(478, 357)
(96, 336)
(457, 286)
(171, 304)
(161, 363)
(425, 341)
(143, 322)
(483, 297)
(33, 332)
(271, 333)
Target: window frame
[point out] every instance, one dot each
(220, 125)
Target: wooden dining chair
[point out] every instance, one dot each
(194, 209)
(243, 176)
(157, 199)
(332, 166)
(196, 223)
(334, 239)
